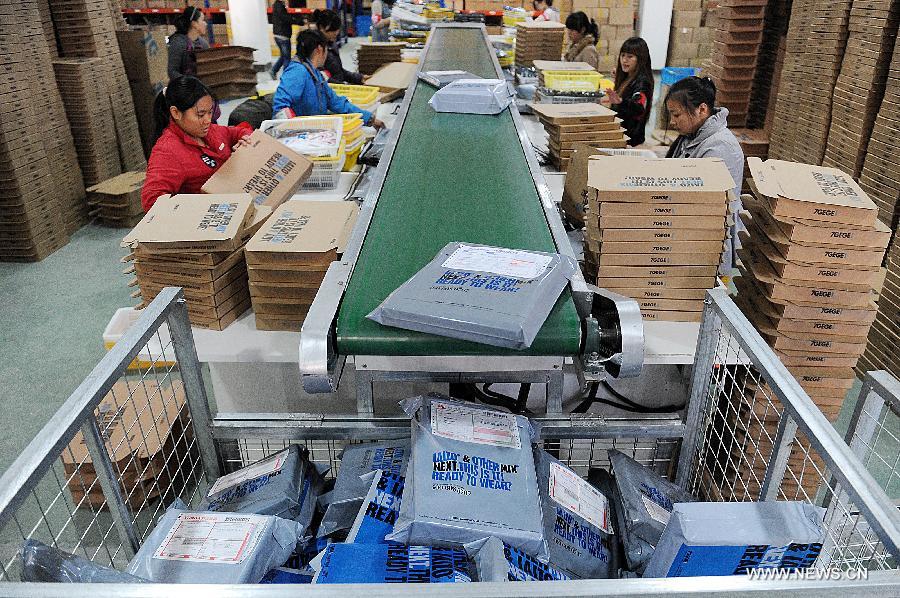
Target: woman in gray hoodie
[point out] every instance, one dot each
(703, 133)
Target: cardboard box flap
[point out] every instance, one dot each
(299, 226)
(193, 218)
(629, 173)
(267, 169)
(393, 76)
(805, 182)
(555, 112)
(121, 184)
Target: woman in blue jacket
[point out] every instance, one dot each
(303, 90)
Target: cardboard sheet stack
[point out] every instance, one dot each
(41, 189)
(881, 170)
(87, 29)
(817, 35)
(538, 40)
(809, 267)
(655, 230)
(197, 242)
(146, 64)
(884, 336)
(769, 63)
(147, 465)
(372, 55)
(288, 257)
(754, 144)
(861, 84)
(227, 71)
(117, 202)
(736, 41)
(569, 124)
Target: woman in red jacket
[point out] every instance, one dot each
(189, 147)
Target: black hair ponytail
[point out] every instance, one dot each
(691, 92)
(184, 20)
(308, 41)
(326, 20)
(183, 92)
(580, 22)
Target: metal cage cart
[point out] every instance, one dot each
(130, 440)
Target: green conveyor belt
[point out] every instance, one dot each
(453, 177)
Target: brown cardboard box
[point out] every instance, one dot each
(303, 232)
(652, 315)
(663, 222)
(812, 193)
(658, 235)
(663, 248)
(295, 277)
(622, 16)
(660, 271)
(574, 192)
(674, 210)
(574, 114)
(692, 282)
(687, 18)
(194, 223)
(647, 260)
(266, 169)
(644, 180)
(837, 255)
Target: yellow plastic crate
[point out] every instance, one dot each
(572, 80)
(357, 94)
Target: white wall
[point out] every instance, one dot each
(654, 21)
(250, 28)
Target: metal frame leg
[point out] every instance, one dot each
(365, 393)
(778, 462)
(555, 381)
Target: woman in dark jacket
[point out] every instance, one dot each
(633, 93)
(190, 27)
(329, 25)
(281, 30)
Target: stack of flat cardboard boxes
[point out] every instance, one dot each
(883, 348)
(538, 40)
(881, 170)
(227, 71)
(87, 29)
(655, 231)
(816, 38)
(809, 268)
(768, 65)
(372, 55)
(288, 257)
(861, 83)
(146, 64)
(570, 124)
(197, 242)
(736, 42)
(690, 38)
(117, 202)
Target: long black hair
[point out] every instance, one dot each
(308, 41)
(637, 47)
(183, 93)
(326, 20)
(691, 92)
(184, 20)
(580, 22)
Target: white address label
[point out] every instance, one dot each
(656, 511)
(497, 260)
(579, 497)
(251, 472)
(211, 538)
(459, 422)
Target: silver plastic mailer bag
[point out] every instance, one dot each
(380, 509)
(285, 484)
(42, 563)
(211, 547)
(358, 460)
(722, 538)
(478, 293)
(496, 560)
(471, 477)
(577, 520)
(646, 505)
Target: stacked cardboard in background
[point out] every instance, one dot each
(883, 347)
(817, 35)
(146, 64)
(227, 71)
(538, 40)
(861, 83)
(370, 56)
(41, 188)
(655, 230)
(768, 65)
(880, 176)
(809, 267)
(197, 242)
(87, 29)
(570, 124)
(117, 201)
(737, 39)
(288, 257)
(690, 38)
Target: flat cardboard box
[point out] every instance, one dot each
(573, 114)
(304, 295)
(658, 248)
(199, 297)
(776, 288)
(658, 315)
(284, 311)
(797, 310)
(194, 223)
(674, 210)
(303, 232)
(223, 322)
(836, 255)
(218, 312)
(658, 283)
(187, 281)
(647, 260)
(661, 235)
(650, 293)
(393, 77)
(574, 191)
(293, 277)
(716, 223)
(646, 180)
(812, 192)
(670, 304)
(267, 169)
(763, 268)
(707, 272)
(276, 323)
(805, 358)
(262, 300)
(789, 325)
